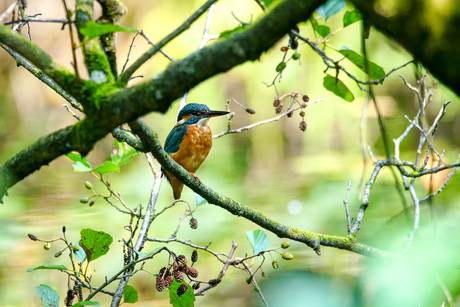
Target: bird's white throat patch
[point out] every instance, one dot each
(202, 122)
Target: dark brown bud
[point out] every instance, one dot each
(250, 111)
(63, 229)
(91, 203)
(279, 109)
(194, 256)
(182, 289)
(196, 286)
(303, 126)
(302, 113)
(276, 103)
(284, 48)
(32, 237)
(193, 223)
(289, 114)
(214, 282)
(305, 98)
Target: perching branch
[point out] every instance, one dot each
(313, 240)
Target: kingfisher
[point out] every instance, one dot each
(190, 141)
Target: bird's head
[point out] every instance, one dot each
(195, 113)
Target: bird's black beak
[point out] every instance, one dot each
(212, 113)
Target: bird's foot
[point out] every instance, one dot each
(194, 176)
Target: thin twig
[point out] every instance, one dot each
(43, 77)
(149, 53)
(72, 41)
(347, 213)
(263, 122)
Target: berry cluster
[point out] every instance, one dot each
(278, 103)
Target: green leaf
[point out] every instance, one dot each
(351, 17)
(123, 154)
(375, 71)
(95, 243)
(143, 255)
(86, 303)
(258, 240)
(185, 300)
(80, 254)
(81, 168)
(330, 8)
(77, 158)
(107, 167)
(268, 2)
(200, 200)
(48, 295)
(48, 267)
(323, 30)
(130, 294)
(93, 29)
(227, 33)
(336, 86)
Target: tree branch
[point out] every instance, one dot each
(313, 240)
(125, 105)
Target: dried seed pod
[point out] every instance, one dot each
(193, 223)
(191, 271)
(32, 237)
(303, 126)
(302, 113)
(284, 48)
(276, 102)
(305, 98)
(279, 109)
(214, 282)
(168, 281)
(181, 259)
(178, 276)
(162, 273)
(160, 286)
(69, 298)
(194, 256)
(182, 289)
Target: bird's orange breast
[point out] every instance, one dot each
(194, 148)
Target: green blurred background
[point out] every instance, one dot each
(299, 179)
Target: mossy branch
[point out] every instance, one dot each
(96, 59)
(39, 58)
(435, 43)
(311, 239)
(115, 107)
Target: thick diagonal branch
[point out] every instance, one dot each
(155, 95)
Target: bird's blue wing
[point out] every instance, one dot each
(175, 138)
